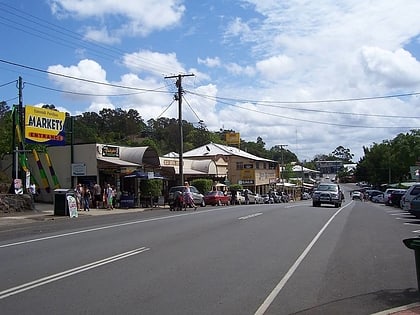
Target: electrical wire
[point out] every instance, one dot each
(86, 94)
(14, 81)
(98, 48)
(261, 103)
(183, 97)
(81, 79)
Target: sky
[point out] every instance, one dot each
(308, 75)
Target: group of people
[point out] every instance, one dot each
(183, 199)
(95, 196)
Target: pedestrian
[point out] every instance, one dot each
(32, 192)
(78, 196)
(97, 195)
(188, 198)
(109, 193)
(246, 196)
(86, 196)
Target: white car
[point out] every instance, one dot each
(409, 195)
(378, 198)
(356, 195)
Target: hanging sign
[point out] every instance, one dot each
(44, 125)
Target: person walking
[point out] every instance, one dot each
(109, 192)
(246, 196)
(97, 195)
(78, 196)
(86, 195)
(188, 198)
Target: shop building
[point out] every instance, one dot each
(239, 167)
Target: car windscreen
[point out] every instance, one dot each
(327, 188)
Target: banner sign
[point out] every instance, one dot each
(233, 138)
(44, 126)
(110, 151)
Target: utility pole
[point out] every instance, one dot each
(282, 162)
(178, 97)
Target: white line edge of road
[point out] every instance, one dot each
(106, 227)
(270, 298)
(64, 274)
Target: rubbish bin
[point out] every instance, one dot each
(60, 201)
(414, 244)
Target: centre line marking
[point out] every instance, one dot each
(61, 275)
(270, 298)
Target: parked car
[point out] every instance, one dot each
(327, 193)
(216, 197)
(378, 198)
(414, 207)
(357, 195)
(267, 198)
(197, 196)
(373, 192)
(306, 196)
(394, 199)
(237, 199)
(387, 194)
(258, 198)
(409, 195)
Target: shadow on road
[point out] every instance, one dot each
(367, 303)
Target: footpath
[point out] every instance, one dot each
(45, 211)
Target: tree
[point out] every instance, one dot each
(6, 126)
(343, 154)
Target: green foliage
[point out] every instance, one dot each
(389, 161)
(203, 185)
(343, 154)
(278, 154)
(236, 187)
(151, 187)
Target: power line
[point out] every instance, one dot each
(75, 40)
(90, 94)
(257, 103)
(14, 81)
(80, 79)
(313, 101)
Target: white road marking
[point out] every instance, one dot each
(61, 275)
(250, 216)
(270, 298)
(107, 227)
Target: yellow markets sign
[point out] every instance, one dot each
(233, 138)
(44, 125)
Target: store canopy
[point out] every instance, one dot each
(140, 155)
(116, 161)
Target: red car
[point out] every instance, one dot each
(216, 198)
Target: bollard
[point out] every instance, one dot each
(414, 244)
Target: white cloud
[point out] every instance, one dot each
(275, 67)
(131, 18)
(210, 62)
(397, 69)
(156, 63)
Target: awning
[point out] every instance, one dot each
(116, 161)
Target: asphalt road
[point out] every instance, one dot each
(251, 259)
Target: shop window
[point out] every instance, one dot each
(239, 165)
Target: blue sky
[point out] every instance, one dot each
(310, 74)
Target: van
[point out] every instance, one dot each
(409, 195)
